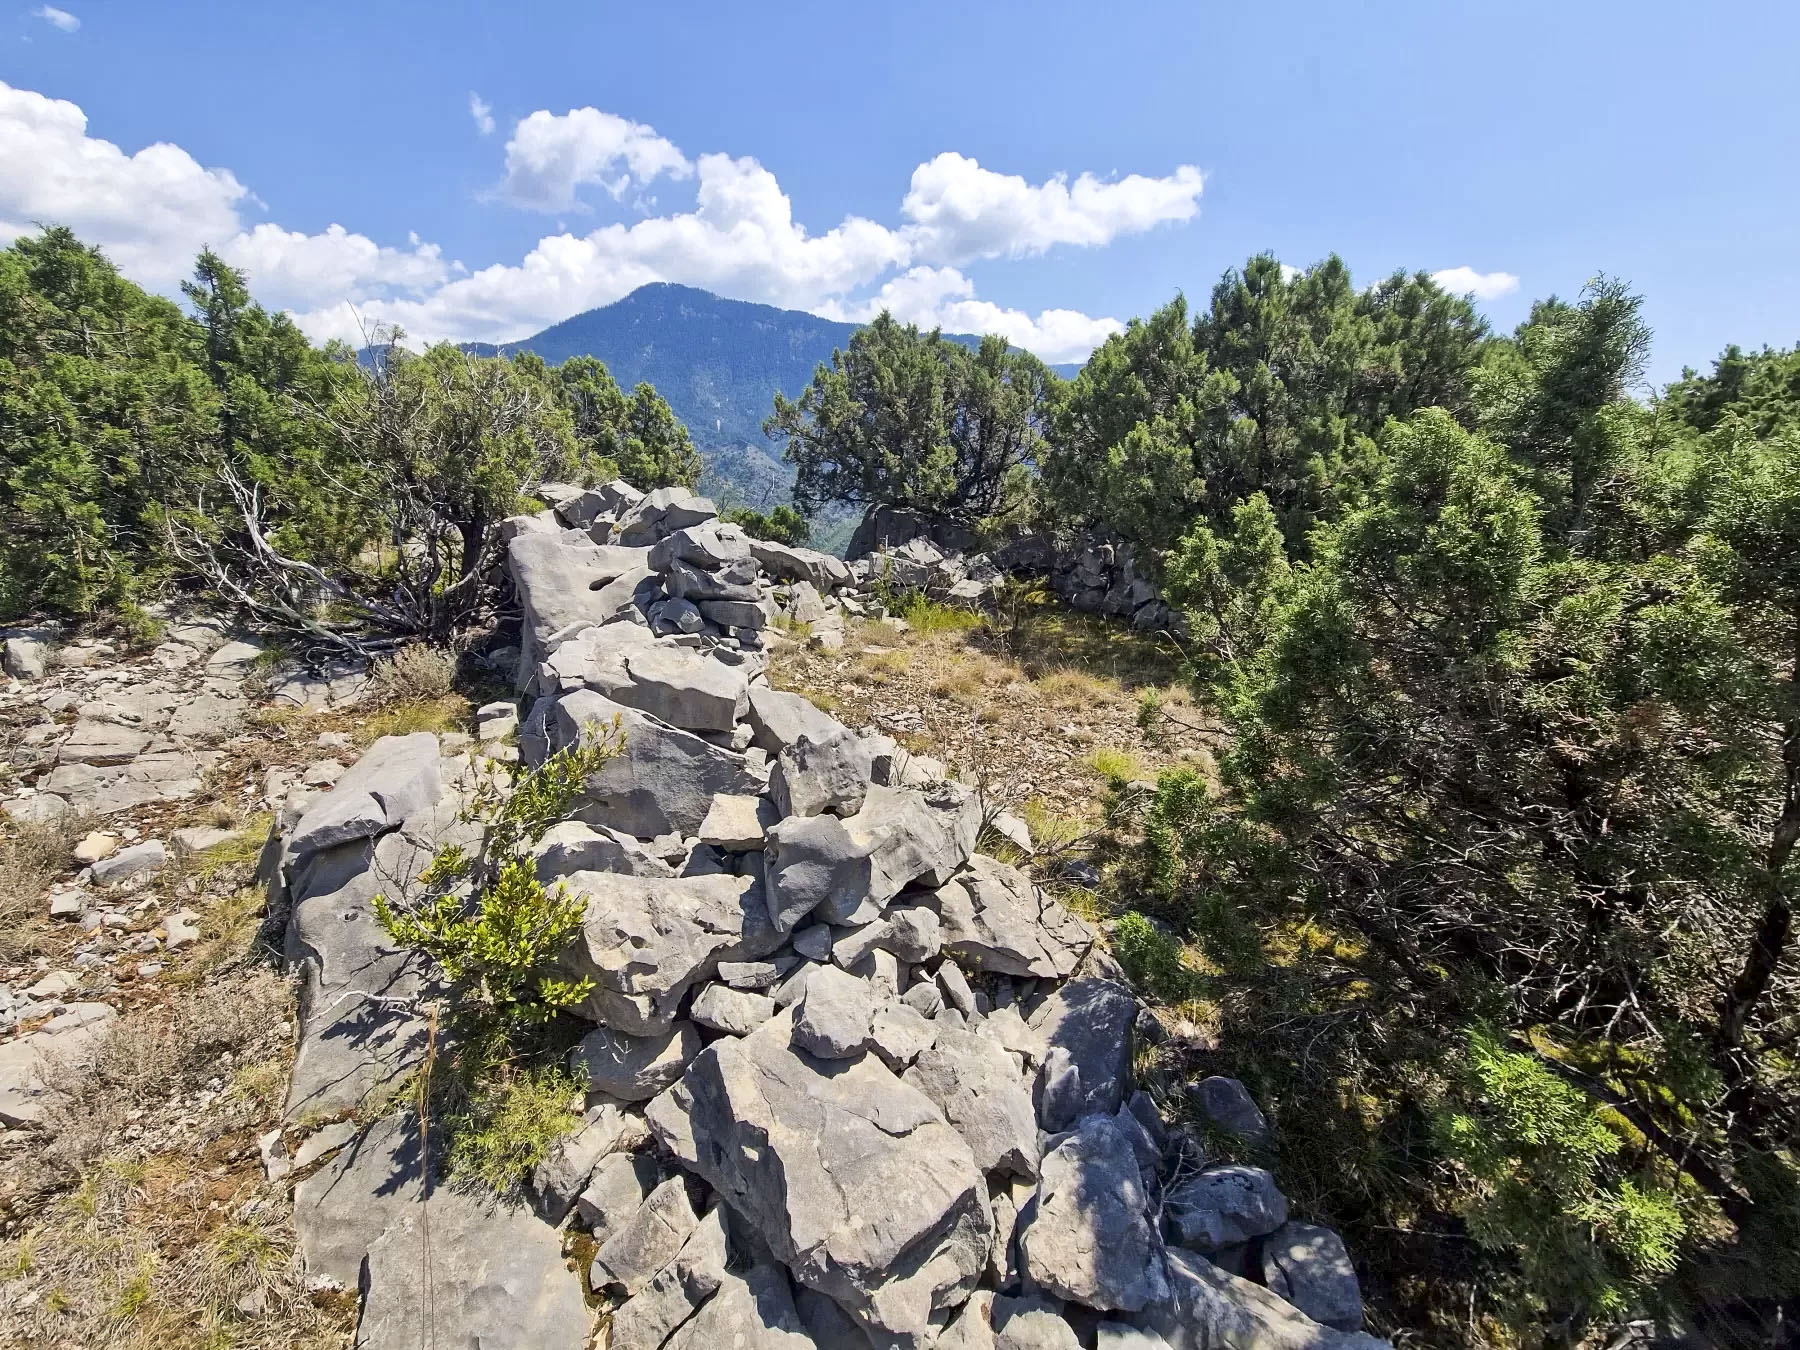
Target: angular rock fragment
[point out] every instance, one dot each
(1207, 1307)
(834, 1016)
(1307, 1265)
(647, 1241)
(645, 941)
(815, 776)
(1090, 1021)
(1227, 1104)
(396, 777)
(733, 1011)
(778, 719)
(974, 1083)
(852, 1178)
(1225, 1205)
(1090, 1237)
(574, 846)
(738, 823)
(615, 1191)
(560, 1178)
(995, 918)
(675, 1291)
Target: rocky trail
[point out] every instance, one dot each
(850, 1079)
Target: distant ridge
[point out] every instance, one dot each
(718, 362)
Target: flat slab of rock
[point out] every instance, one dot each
(646, 941)
(558, 582)
(1307, 1265)
(685, 688)
(779, 718)
(633, 1068)
(31, 1065)
(397, 777)
(1090, 1022)
(854, 1179)
(1207, 1307)
(664, 780)
(975, 1083)
(1090, 1237)
(997, 919)
(738, 823)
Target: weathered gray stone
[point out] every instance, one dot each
(754, 1312)
(814, 941)
(1090, 1237)
(833, 1018)
(660, 513)
(1307, 1265)
(756, 975)
(955, 987)
(735, 1011)
(975, 1084)
(614, 1192)
(25, 655)
(815, 776)
(32, 1065)
(96, 742)
(559, 583)
(845, 871)
(1121, 1336)
(852, 1178)
(1207, 1307)
(741, 614)
(562, 1176)
(359, 1030)
(737, 823)
(1090, 1020)
(663, 780)
(1227, 1104)
(924, 997)
(1225, 1205)
(900, 1034)
(731, 581)
(571, 846)
(708, 546)
(634, 1068)
(685, 688)
(675, 1291)
(139, 860)
(778, 719)
(396, 777)
(997, 919)
(805, 605)
(645, 942)
(200, 838)
(647, 1241)
(913, 934)
(496, 1280)
(800, 564)
(1032, 1323)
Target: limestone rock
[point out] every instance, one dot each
(1307, 1265)
(976, 1085)
(646, 941)
(1227, 1104)
(396, 777)
(685, 688)
(574, 846)
(1090, 1237)
(140, 860)
(562, 1176)
(778, 719)
(787, 563)
(30, 1065)
(647, 1241)
(1090, 1021)
(615, 1191)
(664, 779)
(737, 823)
(736, 1012)
(834, 1016)
(852, 1178)
(997, 919)
(633, 1068)
(752, 1312)
(1225, 1205)
(1207, 1307)
(676, 1291)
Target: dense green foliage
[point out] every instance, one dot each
(1493, 901)
(780, 525)
(918, 420)
(141, 445)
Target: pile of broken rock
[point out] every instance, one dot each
(851, 1083)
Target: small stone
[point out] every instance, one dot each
(814, 942)
(53, 987)
(722, 1008)
(834, 1016)
(143, 859)
(68, 904)
(95, 847)
(647, 1241)
(276, 1162)
(634, 1068)
(322, 773)
(197, 839)
(955, 987)
(183, 930)
(1227, 1104)
(1225, 1205)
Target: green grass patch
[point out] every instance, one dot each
(509, 1127)
(1116, 765)
(450, 712)
(927, 617)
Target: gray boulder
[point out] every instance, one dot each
(139, 860)
(685, 688)
(812, 776)
(1090, 1237)
(646, 941)
(997, 919)
(778, 719)
(974, 1082)
(1307, 1265)
(558, 1181)
(26, 654)
(709, 547)
(663, 780)
(633, 1068)
(558, 584)
(673, 1294)
(732, 581)
(1223, 1206)
(1228, 1105)
(737, 823)
(852, 1178)
(736, 1012)
(396, 777)
(752, 1312)
(647, 1241)
(615, 1191)
(1207, 1307)
(833, 1018)
(786, 563)
(755, 614)
(1089, 1021)
(662, 512)
(574, 846)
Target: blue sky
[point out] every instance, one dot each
(1047, 170)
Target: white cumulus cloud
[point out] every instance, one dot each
(151, 210)
(1481, 285)
(154, 209)
(56, 18)
(961, 211)
(551, 154)
(942, 297)
(483, 113)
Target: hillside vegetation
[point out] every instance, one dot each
(1457, 819)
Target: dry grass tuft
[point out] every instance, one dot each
(31, 857)
(417, 674)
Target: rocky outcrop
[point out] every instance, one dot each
(849, 1082)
